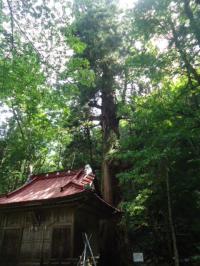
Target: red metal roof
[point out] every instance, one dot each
(49, 186)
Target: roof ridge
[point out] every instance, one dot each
(57, 173)
(34, 178)
(30, 181)
(78, 174)
(50, 185)
(73, 183)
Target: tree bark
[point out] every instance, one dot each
(171, 224)
(110, 130)
(107, 182)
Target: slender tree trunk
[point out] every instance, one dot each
(17, 118)
(171, 224)
(189, 68)
(125, 86)
(11, 24)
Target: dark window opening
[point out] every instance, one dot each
(61, 243)
(10, 246)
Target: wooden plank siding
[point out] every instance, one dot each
(35, 235)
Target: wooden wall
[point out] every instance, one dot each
(33, 232)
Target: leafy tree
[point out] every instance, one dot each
(95, 38)
(161, 143)
(25, 95)
(170, 21)
(34, 134)
(123, 104)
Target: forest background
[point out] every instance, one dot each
(88, 82)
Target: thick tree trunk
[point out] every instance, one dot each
(110, 253)
(110, 130)
(107, 182)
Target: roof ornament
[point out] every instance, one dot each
(88, 169)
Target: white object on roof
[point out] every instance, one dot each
(88, 169)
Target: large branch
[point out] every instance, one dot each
(190, 69)
(41, 57)
(27, 38)
(193, 23)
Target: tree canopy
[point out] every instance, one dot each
(88, 82)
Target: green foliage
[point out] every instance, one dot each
(163, 132)
(34, 130)
(116, 72)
